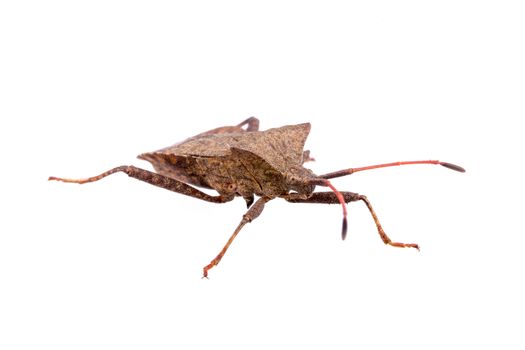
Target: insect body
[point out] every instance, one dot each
(239, 163)
(245, 162)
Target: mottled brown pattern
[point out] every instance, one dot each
(280, 147)
(262, 163)
(238, 161)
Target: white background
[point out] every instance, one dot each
(117, 264)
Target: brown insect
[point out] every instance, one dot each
(246, 162)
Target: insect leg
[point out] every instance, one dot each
(252, 122)
(307, 157)
(322, 198)
(252, 125)
(154, 179)
(382, 233)
(350, 171)
(331, 198)
(252, 213)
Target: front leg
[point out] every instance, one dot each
(321, 197)
(154, 179)
(331, 198)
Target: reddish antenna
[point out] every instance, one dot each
(349, 171)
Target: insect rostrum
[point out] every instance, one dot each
(237, 161)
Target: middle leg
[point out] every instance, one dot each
(331, 198)
(252, 213)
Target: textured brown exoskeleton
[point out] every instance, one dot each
(246, 162)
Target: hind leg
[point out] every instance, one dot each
(158, 180)
(252, 124)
